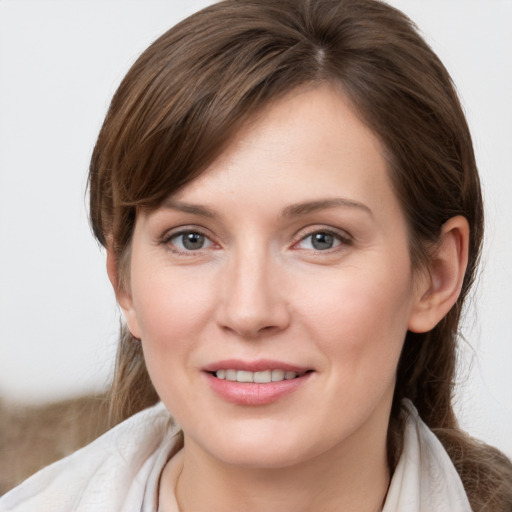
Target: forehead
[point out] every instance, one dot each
(309, 143)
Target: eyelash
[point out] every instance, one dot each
(169, 237)
(339, 240)
(342, 240)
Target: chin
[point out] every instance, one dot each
(263, 447)
(261, 458)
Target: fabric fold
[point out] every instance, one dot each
(425, 479)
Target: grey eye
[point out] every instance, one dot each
(322, 241)
(193, 241)
(190, 241)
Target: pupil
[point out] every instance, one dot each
(322, 241)
(193, 241)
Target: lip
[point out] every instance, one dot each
(250, 393)
(254, 366)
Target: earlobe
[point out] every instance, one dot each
(441, 283)
(123, 295)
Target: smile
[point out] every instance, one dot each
(255, 383)
(261, 377)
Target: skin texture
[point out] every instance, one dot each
(258, 289)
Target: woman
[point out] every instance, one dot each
(291, 209)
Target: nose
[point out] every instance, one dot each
(253, 301)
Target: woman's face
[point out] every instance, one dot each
(272, 294)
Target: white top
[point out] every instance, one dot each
(120, 471)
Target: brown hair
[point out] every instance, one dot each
(186, 95)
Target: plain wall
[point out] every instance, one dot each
(60, 63)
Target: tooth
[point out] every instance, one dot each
(243, 376)
(263, 377)
(277, 375)
(231, 375)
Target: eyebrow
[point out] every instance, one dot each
(293, 210)
(194, 209)
(306, 207)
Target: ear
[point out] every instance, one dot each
(440, 285)
(123, 294)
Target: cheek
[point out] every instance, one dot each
(360, 315)
(171, 306)
(173, 312)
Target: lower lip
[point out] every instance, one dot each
(248, 393)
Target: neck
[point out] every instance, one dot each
(352, 477)
(296, 489)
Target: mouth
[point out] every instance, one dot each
(255, 383)
(259, 377)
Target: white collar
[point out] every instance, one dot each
(425, 479)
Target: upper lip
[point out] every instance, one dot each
(253, 366)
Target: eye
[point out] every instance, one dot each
(321, 241)
(187, 241)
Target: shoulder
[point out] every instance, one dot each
(447, 470)
(485, 472)
(99, 476)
